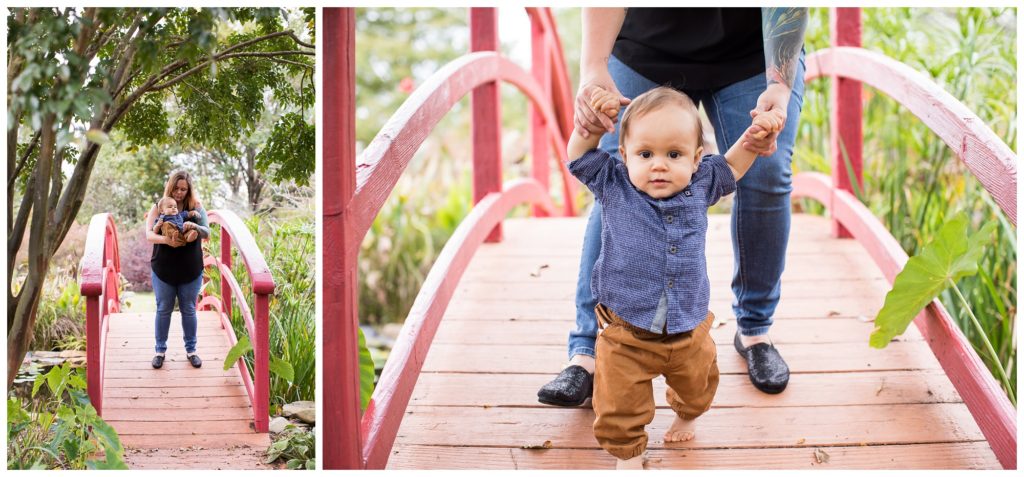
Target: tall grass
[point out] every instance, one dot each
(913, 182)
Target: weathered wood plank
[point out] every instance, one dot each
(960, 455)
(510, 307)
(129, 392)
(734, 390)
(555, 332)
(149, 417)
(170, 428)
(802, 358)
(110, 383)
(719, 428)
(194, 401)
(179, 441)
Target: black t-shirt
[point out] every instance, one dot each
(177, 266)
(692, 48)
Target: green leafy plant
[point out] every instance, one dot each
(60, 322)
(296, 447)
(62, 431)
(366, 372)
(949, 257)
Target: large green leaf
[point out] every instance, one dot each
(366, 371)
(950, 256)
(282, 368)
(237, 351)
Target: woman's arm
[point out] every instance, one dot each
(201, 224)
(600, 28)
(151, 236)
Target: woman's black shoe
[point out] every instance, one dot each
(765, 366)
(158, 361)
(571, 388)
(195, 361)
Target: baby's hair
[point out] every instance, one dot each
(655, 99)
(163, 200)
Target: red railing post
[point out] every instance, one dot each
(261, 364)
(540, 66)
(486, 104)
(846, 132)
(342, 439)
(94, 379)
(225, 258)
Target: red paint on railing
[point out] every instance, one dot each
(101, 267)
(234, 232)
(342, 439)
(846, 138)
(390, 398)
(980, 149)
(485, 103)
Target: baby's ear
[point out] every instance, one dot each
(622, 153)
(697, 155)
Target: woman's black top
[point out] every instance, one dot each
(179, 265)
(692, 48)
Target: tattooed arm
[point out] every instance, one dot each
(783, 30)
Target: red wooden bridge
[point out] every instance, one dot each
(459, 388)
(179, 417)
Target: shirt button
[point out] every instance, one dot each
(670, 283)
(668, 218)
(672, 249)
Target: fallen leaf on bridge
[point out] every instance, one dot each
(545, 445)
(537, 273)
(821, 456)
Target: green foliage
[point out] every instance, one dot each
(913, 181)
(127, 181)
(290, 153)
(296, 447)
(366, 371)
(60, 320)
(950, 256)
(62, 431)
(242, 347)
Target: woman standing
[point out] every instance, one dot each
(177, 271)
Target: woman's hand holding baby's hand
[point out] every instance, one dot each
(604, 102)
(770, 122)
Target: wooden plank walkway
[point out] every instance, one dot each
(505, 332)
(178, 417)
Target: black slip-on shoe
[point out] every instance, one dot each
(765, 366)
(158, 361)
(571, 388)
(195, 361)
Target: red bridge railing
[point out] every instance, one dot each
(988, 158)
(100, 279)
(355, 192)
(258, 326)
(101, 272)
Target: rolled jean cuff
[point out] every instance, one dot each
(626, 453)
(582, 350)
(756, 331)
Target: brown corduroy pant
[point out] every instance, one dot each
(628, 359)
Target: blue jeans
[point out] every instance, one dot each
(186, 294)
(761, 207)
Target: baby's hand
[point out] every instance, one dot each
(604, 101)
(193, 214)
(770, 122)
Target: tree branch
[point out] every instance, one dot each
(12, 177)
(193, 70)
(297, 40)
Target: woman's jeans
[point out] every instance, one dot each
(186, 294)
(760, 211)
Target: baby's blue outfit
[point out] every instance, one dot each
(652, 270)
(178, 220)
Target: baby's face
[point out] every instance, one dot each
(170, 208)
(661, 152)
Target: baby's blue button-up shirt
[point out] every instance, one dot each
(652, 270)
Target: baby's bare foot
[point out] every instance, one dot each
(682, 430)
(636, 463)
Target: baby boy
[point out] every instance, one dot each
(171, 223)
